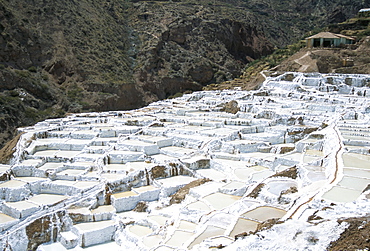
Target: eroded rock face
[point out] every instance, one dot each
(197, 49)
(43, 230)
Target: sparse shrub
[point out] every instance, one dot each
(74, 92)
(177, 95)
(13, 93)
(51, 112)
(45, 77)
(31, 113)
(23, 74)
(32, 69)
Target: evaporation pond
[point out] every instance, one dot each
(187, 225)
(356, 160)
(51, 166)
(221, 200)
(176, 180)
(198, 205)
(21, 205)
(117, 168)
(341, 194)
(91, 226)
(31, 179)
(243, 173)
(234, 185)
(124, 194)
(5, 218)
(212, 174)
(294, 156)
(315, 153)
(12, 184)
(152, 240)
(243, 225)
(144, 189)
(179, 237)
(47, 199)
(161, 220)
(46, 153)
(262, 175)
(103, 209)
(71, 172)
(354, 183)
(264, 213)
(140, 230)
(277, 186)
(210, 231)
(356, 172)
(309, 158)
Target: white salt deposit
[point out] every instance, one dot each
(109, 177)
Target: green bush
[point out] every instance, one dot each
(32, 69)
(23, 74)
(13, 93)
(31, 113)
(74, 92)
(177, 95)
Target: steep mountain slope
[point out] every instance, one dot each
(183, 46)
(73, 56)
(59, 56)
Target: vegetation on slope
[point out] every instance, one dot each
(94, 55)
(347, 59)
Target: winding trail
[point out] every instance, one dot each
(336, 156)
(336, 172)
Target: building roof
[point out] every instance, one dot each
(329, 35)
(364, 10)
(344, 36)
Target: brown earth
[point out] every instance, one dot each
(254, 194)
(180, 195)
(355, 237)
(291, 172)
(260, 227)
(158, 172)
(42, 230)
(141, 207)
(230, 107)
(6, 153)
(350, 60)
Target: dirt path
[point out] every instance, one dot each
(337, 159)
(306, 63)
(6, 153)
(337, 156)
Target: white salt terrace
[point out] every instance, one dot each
(109, 177)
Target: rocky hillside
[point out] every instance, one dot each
(346, 60)
(350, 59)
(74, 56)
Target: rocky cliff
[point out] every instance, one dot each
(74, 56)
